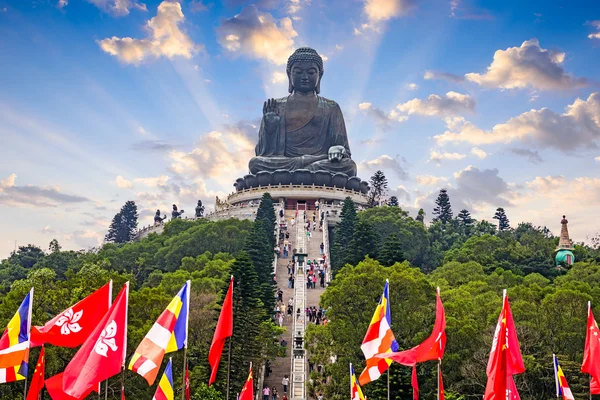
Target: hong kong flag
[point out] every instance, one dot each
(71, 327)
(102, 355)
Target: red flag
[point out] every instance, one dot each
(122, 392)
(591, 354)
(72, 327)
(513, 393)
(505, 357)
(187, 382)
(56, 392)
(223, 331)
(37, 382)
(102, 355)
(415, 383)
(247, 392)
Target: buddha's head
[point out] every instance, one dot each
(305, 70)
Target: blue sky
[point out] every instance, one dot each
(104, 101)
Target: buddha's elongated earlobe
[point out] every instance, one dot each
(318, 88)
(290, 86)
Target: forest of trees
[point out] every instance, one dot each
(472, 261)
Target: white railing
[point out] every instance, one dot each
(298, 368)
(326, 249)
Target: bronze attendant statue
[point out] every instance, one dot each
(303, 131)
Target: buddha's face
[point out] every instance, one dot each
(304, 76)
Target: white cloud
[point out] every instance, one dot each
(577, 127)
(258, 35)
(165, 38)
(438, 156)
(436, 75)
(384, 121)
(527, 66)
(597, 159)
(595, 24)
(142, 131)
(117, 8)
(382, 10)
(412, 86)
(153, 181)
(47, 230)
(452, 103)
(198, 6)
(62, 4)
(477, 152)
(279, 77)
(531, 155)
(123, 183)
(13, 195)
(386, 163)
(430, 180)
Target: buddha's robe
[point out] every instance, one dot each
(306, 147)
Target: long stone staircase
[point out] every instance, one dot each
(294, 363)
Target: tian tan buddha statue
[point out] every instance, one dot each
(303, 130)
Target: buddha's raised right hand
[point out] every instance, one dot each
(271, 115)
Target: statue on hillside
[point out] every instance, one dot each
(303, 130)
(176, 214)
(199, 209)
(158, 219)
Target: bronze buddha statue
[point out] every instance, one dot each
(303, 130)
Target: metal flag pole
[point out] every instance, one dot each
(228, 367)
(388, 383)
(25, 390)
(122, 380)
(438, 380)
(185, 345)
(184, 373)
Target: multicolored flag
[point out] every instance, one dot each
(505, 358)
(15, 343)
(102, 355)
(222, 332)
(168, 334)
(71, 327)
(591, 353)
(37, 382)
(378, 339)
(562, 387)
(355, 391)
(431, 348)
(164, 391)
(247, 392)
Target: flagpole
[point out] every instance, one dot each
(122, 380)
(438, 380)
(184, 372)
(25, 390)
(228, 367)
(388, 382)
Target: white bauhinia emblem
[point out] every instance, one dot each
(68, 322)
(107, 339)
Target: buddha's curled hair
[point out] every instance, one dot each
(305, 54)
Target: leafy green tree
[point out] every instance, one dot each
(54, 246)
(443, 209)
(503, 222)
(343, 235)
(26, 256)
(378, 184)
(391, 251)
(124, 224)
(204, 392)
(421, 216)
(364, 242)
(393, 202)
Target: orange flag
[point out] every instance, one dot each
(37, 382)
(223, 331)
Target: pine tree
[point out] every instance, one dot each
(421, 216)
(124, 224)
(379, 185)
(266, 214)
(391, 252)
(54, 246)
(364, 242)
(443, 211)
(465, 222)
(393, 202)
(503, 222)
(259, 249)
(343, 235)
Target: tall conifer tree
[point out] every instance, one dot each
(124, 224)
(443, 209)
(503, 222)
(343, 235)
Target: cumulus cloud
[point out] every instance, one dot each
(198, 6)
(123, 183)
(47, 230)
(597, 159)
(527, 66)
(412, 86)
(165, 39)
(258, 35)
(577, 127)
(531, 155)
(452, 103)
(218, 154)
(382, 10)
(400, 192)
(279, 77)
(13, 195)
(439, 156)
(595, 24)
(477, 152)
(430, 180)
(85, 238)
(386, 163)
(61, 4)
(117, 8)
(153, 181)
(438, 75)
(384, 121)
